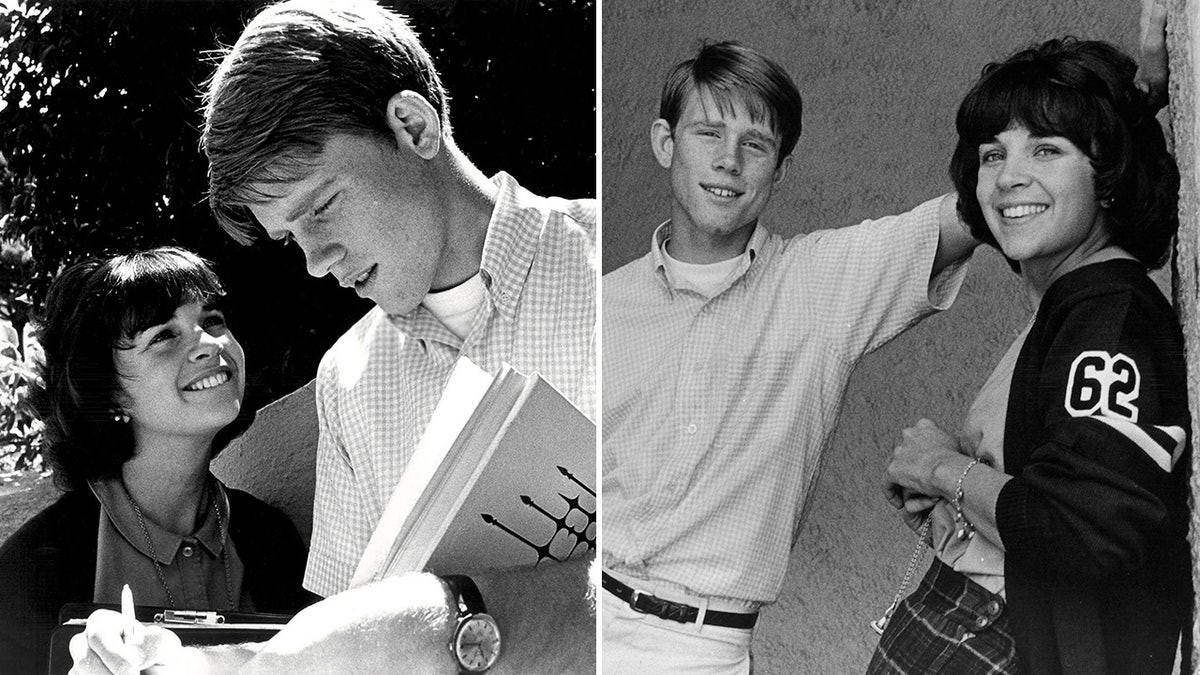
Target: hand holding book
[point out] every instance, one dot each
(504, 476)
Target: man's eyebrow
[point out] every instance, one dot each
(304, 205)
(761, 135)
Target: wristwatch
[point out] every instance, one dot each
(476, 642)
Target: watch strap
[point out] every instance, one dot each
(469, 603)
(466, 595)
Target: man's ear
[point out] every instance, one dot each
(415, 123)
(782, 170)
(662, 142)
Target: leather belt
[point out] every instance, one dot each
(673, 611)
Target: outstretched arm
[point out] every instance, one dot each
(1153, 71)
(546, 617)
(954, 239)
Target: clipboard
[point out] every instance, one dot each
(194, 627)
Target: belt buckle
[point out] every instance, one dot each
(656, 606)
(633, 601)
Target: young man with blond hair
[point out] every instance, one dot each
(726, 353)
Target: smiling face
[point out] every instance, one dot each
(185, 377)
(1039, 199)
(366, 214)
(723, 167)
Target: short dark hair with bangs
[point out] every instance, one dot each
(730, 72)
(1081, 90)
(302, 71)
(94, 307)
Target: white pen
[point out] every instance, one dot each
(128, 615)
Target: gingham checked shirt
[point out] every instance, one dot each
(716, 411)
(378, 385)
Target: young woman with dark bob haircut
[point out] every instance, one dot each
(142, 384)
(1058, 514)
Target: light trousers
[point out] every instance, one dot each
(641, 644)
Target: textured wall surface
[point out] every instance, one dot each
(881, 81)
(275, 459)
(1184, 50)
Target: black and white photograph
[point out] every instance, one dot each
(367, 195)
(888, 387)
(599, 337)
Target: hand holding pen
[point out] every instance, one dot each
(133, 633)
(119, 644)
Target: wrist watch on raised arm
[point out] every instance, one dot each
(476, 641)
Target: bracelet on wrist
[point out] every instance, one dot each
(963, 529)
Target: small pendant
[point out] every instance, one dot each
(879, 624)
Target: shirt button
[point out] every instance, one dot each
(691, 428)
(993, 608)
(187, 551)
(981, 622)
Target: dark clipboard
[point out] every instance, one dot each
(192, 627)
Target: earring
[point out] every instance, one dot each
(1106, 202)
(120, 417)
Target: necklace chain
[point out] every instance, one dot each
(162, 578)
(879, 624)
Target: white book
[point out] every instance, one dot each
(504, 476)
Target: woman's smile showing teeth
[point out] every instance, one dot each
(214, 380)
(1022, 210)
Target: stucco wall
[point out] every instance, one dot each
(881, 81)
(275, 459)
(1184, 49)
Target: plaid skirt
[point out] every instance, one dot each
(949, 625)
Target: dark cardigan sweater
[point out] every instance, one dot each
(1094, 522)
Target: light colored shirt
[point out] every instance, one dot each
(378, 385)
(716, 411)
(191, 563)
(978, 557)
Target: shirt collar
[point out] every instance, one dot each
(508, 249)
(117, 505)
(662, 234)
(512, 238)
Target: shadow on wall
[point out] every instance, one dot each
(275, 460)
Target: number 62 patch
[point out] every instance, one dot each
(1103, 383)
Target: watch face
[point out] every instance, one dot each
(477, 643)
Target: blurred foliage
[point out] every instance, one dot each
(99, 145)
(20, 430)
(16, 272)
